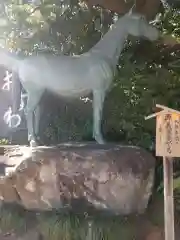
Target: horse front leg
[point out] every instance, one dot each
(30, 127)
(98, 101)
(37, 118)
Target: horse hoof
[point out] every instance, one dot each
(100, 140)
(33, 144)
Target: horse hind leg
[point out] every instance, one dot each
(32, 102)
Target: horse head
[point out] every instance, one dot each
(137, 25)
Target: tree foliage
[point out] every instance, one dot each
(148, 73)
(59, 26)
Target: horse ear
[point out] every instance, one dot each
(130, 12)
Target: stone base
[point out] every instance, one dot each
(79, 176)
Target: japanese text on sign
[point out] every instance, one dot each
(168, 135)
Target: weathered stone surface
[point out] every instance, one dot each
(110, 177)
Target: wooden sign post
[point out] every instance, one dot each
(167, 146)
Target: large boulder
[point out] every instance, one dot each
(109, 178)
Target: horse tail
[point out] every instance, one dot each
(9, 59)
(16, 100)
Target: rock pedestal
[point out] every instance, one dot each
(109, 178)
